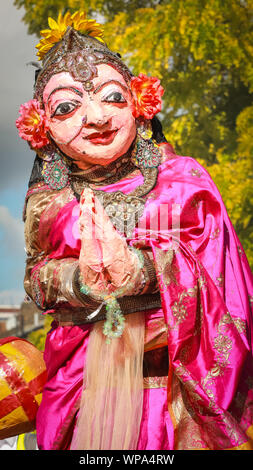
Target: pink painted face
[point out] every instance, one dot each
(93, 127)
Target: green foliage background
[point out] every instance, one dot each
(202, 51)
(38, 337)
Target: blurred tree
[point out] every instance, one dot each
(38, 337)
(202, 51)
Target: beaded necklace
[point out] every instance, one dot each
(124, 210)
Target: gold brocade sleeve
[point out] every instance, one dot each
(50, 281)
(47, 281)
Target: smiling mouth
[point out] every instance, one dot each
(103, 138)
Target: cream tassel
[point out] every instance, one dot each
(112, 399)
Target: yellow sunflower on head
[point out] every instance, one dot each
(85, 26)
(78, 21)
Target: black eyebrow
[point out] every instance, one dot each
(71, 88)
(106, 83)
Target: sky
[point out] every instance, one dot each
(16, 80)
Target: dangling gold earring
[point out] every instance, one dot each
(145, 154)
(144, 128)
(55, 171)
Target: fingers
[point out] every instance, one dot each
(96, 225)
(94, 215)
(91, 251)
(103, 249)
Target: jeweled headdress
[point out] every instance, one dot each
(74, 44)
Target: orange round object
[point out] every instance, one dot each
(22, 377)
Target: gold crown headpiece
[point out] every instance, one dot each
(74, 44)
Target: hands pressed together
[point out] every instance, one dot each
(106, 262)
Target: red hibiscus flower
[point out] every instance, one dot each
(147, 93)
(32, 124)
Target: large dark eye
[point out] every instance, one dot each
(115, 97)
(65, 108)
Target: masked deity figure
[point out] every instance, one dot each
(131, 251)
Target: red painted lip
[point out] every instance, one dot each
(104, 138)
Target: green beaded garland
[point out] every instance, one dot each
(115, 320)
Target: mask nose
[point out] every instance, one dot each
(95, 115)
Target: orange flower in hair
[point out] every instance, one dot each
(32, 124)
(147, 93)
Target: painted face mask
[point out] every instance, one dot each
(88, 109)
(91, 127)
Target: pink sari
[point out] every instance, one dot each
(206, 289)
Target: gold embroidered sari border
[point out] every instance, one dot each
(155, 382)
